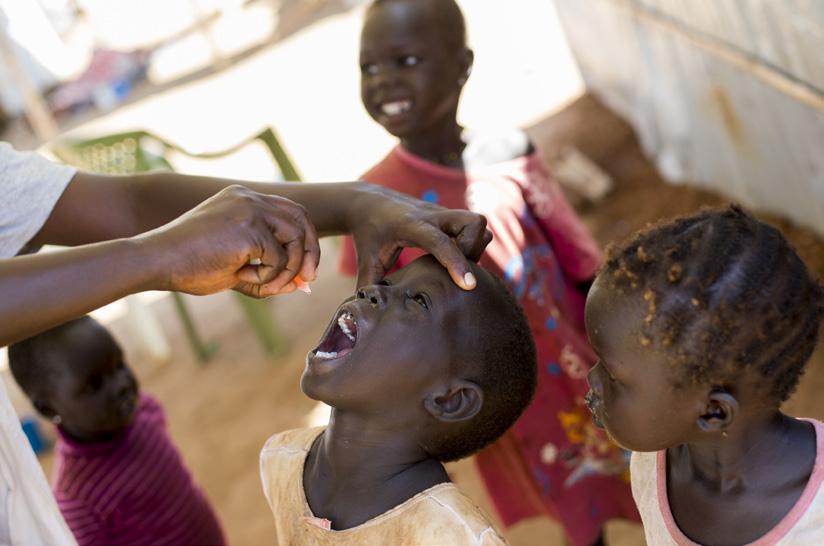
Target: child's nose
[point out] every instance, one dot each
(385, 76)
(372, 293)
(594, 380)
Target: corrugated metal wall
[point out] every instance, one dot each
(724, 93)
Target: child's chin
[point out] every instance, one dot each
(313, 387)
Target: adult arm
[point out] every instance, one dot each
(207, 249)
(97, 208)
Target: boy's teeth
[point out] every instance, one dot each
(345, 329)
(395, 108)
(325, 355)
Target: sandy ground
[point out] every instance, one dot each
(221, 413)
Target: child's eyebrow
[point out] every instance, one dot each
(442, 287)
(394, 49)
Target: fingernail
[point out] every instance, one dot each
(469, 280)
(302, 285)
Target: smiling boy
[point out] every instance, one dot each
(417, 373)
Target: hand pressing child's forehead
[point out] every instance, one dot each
(413, 330)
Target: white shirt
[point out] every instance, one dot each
(30, 185)
(803, 525)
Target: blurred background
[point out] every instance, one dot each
(643, 109)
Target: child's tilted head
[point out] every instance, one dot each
(414, 64)
(75, 374)
(694, 318)
(417, 353)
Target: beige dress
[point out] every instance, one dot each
(439, 515)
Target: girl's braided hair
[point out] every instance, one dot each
(724, 293)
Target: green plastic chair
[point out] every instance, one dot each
(141, 152)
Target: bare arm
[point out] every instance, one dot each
(205, 250)
(134, 234)
(40, 291)
(124, 206)
(381, 220)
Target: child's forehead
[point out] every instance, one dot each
(419, 19)
(424, 270)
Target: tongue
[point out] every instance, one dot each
(336, 342)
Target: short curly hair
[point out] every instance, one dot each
(32, 361)
(724, 293)
(505, 369)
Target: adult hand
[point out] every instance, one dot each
(210, 248)
(383, 222)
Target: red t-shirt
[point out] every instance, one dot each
(521, 185)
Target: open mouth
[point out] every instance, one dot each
(395, 108)
(340, 338)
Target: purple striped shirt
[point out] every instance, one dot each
(134, 489)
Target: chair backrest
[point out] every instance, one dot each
(141, 151)
(122, 153)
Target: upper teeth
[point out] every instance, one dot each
(344, 328)
(396, 107)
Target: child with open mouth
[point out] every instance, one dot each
(418, 372)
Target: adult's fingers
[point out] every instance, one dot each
(267, 266)
(288, 224)
(370, 266)
(311, 254)
(468, 231)
(450, 256)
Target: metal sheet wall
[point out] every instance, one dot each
(723, 93)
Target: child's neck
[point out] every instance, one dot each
(356, 471)
(717, 489)
(442, 144)
(84, 437)
(743, 455)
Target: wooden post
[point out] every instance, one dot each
(37, 111)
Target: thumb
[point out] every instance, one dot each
(370, 269)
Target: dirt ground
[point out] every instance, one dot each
(221, 413)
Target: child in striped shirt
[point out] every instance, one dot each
(118, 477)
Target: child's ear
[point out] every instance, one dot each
(461, 401)
(720, 410)
(467, 58)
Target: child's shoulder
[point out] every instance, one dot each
(453, 517)
(281, 464)
(297, 440)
